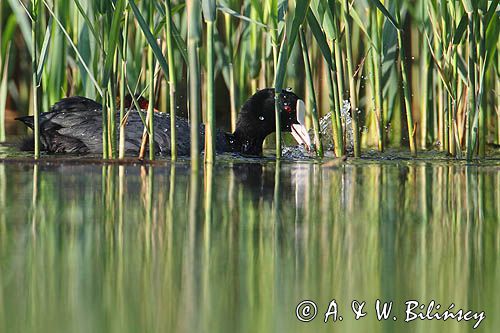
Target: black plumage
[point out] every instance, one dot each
(74, 125)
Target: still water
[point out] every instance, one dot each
(86, 247)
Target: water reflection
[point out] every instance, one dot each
(236, 246)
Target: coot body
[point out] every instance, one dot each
(74, 125)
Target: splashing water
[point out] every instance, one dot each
(325, 127)
(347, 124)
(298, 152)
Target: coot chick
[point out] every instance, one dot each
(74, 125)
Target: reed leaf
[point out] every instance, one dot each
(312, 100)
(460, 30)
(193, 40)
(301, 10)
(172, 80)
(7, 33)
(89, 24)
(75, 49)
(113, 37)
(468, 6)
(225, 9)
(357, 19)
(44, 52)
(180, 43)
(492, 33)
(4, 71)
(149, 36)
(20, 12)
(320, 38)
(209, 10)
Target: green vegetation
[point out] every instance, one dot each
(420, 74)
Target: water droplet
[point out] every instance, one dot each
(261, 117)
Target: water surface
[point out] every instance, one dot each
(87, 247)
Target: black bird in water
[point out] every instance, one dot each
(74, 125)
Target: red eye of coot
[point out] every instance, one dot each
(144, 104)
(288, 109)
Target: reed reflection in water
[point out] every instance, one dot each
(235, 247)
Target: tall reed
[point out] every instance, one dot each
(276, 11)
(6, 34)
(457, 70)
(36, 10)
(314, 105)
(193, 40)
(151, 82)
(123, 83)
(405, 83)
(172, 81)
(472, 59)
(209, 11)
(352, 81)
(375, 76)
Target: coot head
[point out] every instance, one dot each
(257, 116)
(142, 102)
(129, 101)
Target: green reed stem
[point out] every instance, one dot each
(232, 83)
(310, 83)
(406, 85)
(376, 77)
(151, 79)
(471, 128)
(3, 91)
(425, 63)
(444, 98)
(278, 86)
(105, 113)
(123, 67)
(210, 126)
(482, 100)
(36, 10)
(111, 117)
(335, 109)
(280, 58)
(254, 42)
(209, 13)
(172, 82)
(352, 81)
(496, 99)
(3, 80)
(453, 105)
(194, 36)
(339, 85)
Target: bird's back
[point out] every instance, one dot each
(75, 128)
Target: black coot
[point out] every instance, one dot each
(74, 125)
